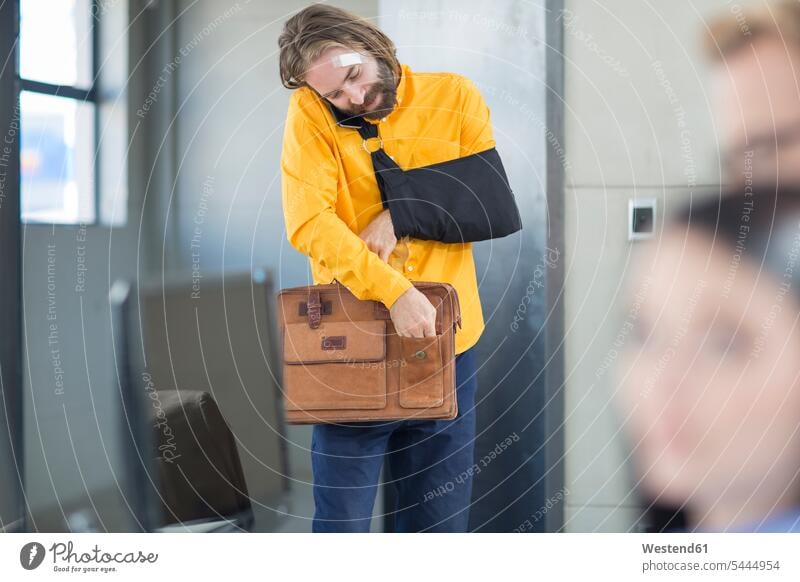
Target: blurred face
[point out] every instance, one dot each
(354, 82)
(709, 380)
(758, 94)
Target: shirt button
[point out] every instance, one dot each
(410, 268)
(383, 119)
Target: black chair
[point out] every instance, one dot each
(195, 456)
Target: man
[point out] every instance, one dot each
(756, 54)
(342, 66)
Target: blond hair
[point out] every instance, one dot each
(740, 27)
(313, 30)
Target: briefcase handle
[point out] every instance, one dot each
(314, 308)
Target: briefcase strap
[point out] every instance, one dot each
(314, 309)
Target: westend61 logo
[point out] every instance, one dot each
(65, 559)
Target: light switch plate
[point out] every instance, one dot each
(641, 218)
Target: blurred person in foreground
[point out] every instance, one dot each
(709, 380)
(755, 52)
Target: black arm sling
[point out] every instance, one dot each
(466, 199)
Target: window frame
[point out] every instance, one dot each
(89, 95)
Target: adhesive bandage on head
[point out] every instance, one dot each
(347, 59)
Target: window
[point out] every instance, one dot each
(57, 111)
(68, 175)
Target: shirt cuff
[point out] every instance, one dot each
(391, 293)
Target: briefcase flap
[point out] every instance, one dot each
(334, 341)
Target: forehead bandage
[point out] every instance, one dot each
(347, 59)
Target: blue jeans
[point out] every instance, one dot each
(430, 465)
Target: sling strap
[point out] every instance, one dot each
(467, 199)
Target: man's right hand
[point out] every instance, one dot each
(413, 315)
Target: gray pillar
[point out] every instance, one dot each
(512, 51)
(11, 468)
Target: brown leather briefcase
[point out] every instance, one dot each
(344, 362)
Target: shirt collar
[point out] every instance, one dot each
(354, 121)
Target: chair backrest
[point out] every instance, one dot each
(196, 458)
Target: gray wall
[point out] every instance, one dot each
(70, 431)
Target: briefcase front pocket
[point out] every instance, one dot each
(421, 372)
(339, 365)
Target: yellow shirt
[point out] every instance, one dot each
(330, 193)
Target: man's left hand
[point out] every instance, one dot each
(379, 235)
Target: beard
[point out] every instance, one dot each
(383, 91)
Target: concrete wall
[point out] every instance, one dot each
(639, 123)
(70, 384)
